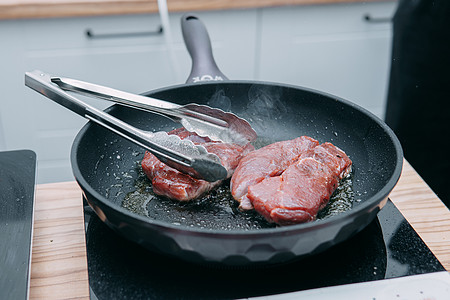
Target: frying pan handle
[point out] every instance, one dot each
(198, 44)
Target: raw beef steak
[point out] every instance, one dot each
(267, 162)
(174, 184)
(303, 189)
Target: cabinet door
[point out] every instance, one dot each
(331, 48)
(61, 47)
(126, 60)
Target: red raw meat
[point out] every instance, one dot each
(303, 189)
(174, 184)
(267, 162)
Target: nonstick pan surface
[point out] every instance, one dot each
(107, 169)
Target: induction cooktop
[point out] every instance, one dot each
(387, 248)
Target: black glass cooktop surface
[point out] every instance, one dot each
(17, 182)
(120, 269)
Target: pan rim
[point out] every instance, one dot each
(370, 203)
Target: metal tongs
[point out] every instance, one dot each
(183, 155)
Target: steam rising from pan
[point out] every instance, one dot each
(265, 110)
(220, 100)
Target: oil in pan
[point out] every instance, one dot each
(217, 210)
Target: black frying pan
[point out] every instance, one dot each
(212, 230)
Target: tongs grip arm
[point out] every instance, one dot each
(41, 82)
(204, 120)
(201, 167)
(165, 108)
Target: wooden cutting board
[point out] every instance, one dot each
(59, 262)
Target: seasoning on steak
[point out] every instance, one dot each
(267, 162)
(174, 184)
(303, 189)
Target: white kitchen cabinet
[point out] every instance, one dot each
(324, 47)
(133, 63)
(331, 48)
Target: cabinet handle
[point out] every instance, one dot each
(368, 18)
(91, 35)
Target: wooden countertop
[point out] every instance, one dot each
(22, 9)
(59, 262)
